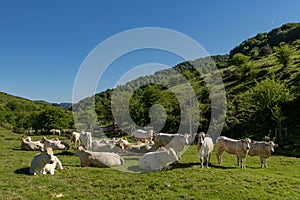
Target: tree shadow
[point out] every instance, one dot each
(24, 170)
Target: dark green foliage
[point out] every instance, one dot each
(286, 33)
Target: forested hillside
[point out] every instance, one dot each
(261, 78)
(22, 115)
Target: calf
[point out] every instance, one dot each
(263, 150)
(98, 159)
(231, 146)
(158, 160)
(40, 160)
(205, 146)
(50, 167)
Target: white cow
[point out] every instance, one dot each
(86, 140)
(142, 135)
(98, 159)
(100, 146)
(50, 167)
(231, 146)
(158, 160)
(174, 141)
(75, 139)
(29, 145)
(262, 149)
(55, 144)
(40, 160)
(205, 146)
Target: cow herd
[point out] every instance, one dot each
(156, 151)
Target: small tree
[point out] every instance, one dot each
(283, 54)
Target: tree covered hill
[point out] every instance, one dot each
(22, 114)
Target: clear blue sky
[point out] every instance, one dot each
(43, 43)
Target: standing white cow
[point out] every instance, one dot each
(231, 146)
(205, 146)
(262, 149)
(75, 139)
(40, 160)
(158, 160)
(86, 140)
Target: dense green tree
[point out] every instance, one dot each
(283, 54)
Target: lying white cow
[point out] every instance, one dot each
(50, 167)
(105, 146)
(29, 145)
(158, 160)
(231, 146)
(98, 159)
(40, 160)
(55, 144)
(86, 140)
(205, 146)
(174, 141)
(142, 135)
(263, 150)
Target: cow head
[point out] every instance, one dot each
(172, 155)
(48, 155)
(271, 146)
(247, 142)
(201, 137)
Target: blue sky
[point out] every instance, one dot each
(43, 43)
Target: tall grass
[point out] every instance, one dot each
(281, 180)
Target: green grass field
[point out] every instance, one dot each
(281, 180)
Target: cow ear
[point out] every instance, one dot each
(276, 145)
(243, 140)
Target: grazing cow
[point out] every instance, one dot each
(263, 150)
(98, 159)
(86, 140)
(29, 145)
(158, 160)
(55, 144)
(75, 139)
(55, 131)
(142, 135)
(50, 167)
(40, 160)
(175, 141)
(238, 147)
(205, 146)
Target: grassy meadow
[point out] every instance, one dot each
(281, 180)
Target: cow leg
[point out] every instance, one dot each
(263, 162)
(201, 162)
(207, 160)
(219, 157)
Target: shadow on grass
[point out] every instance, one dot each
(24, 170)
(65, 153)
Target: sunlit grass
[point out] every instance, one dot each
(281, 180)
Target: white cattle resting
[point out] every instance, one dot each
(174, 141)
(29, 145)
(142, 135)
(40, 160)
(75, 139)
(55, 131)
(50, 167)
(262, 149)
(100, 146)
(205, 146)
(158, 160)
(231, 146)
(98, 159)
(55, 144)
(86, 140)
